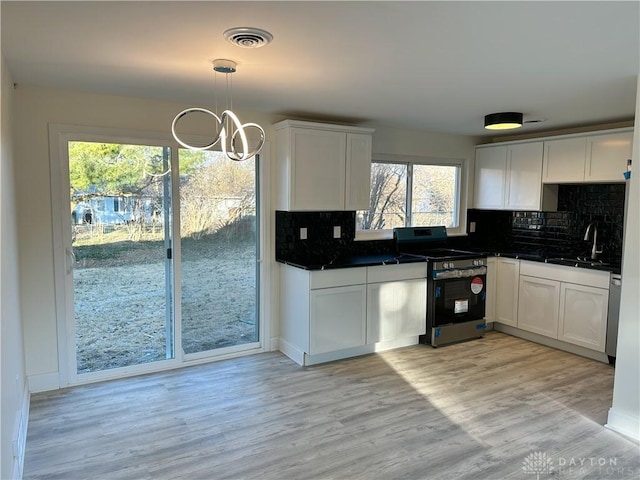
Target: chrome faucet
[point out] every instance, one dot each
(594, 248)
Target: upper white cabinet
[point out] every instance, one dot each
(607, 157)
(509, 176)
(564, 160)
(593, 158)
(323, 166)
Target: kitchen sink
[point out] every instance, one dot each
(578, 262)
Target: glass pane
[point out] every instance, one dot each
(120, 215)
(219, 245)
(388, 198)
(434, 198)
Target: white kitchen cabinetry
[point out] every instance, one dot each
(507, 283)
(340, 313)
(607, 157)
(565, 303)
(490, 305)
(509, 176)
(592, 158)
(323, 167)
(396, 302)
(583, 316)
(337, 318)
(564, 160)
(538, 304)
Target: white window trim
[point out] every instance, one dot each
(420, 160)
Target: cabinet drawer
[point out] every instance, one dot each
(338, 277)
(391, 273)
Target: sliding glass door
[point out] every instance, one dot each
(157, 256)
(219, 262)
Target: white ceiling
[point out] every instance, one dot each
(438, 66)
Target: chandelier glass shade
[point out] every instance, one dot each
(230, 133)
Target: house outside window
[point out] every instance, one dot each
(413, 192)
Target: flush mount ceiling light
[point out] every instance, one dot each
(228, 127)
(503, 121)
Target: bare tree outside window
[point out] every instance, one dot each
(434, 196)
(435, 199)
(387, 204)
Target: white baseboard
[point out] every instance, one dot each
(624, 424)
(43, 382)
(292, 352)
(19, 442)
(274, 344)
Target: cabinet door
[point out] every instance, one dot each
(358, 172)
(337, 318)
(524, 176)
(490, 174)
(396, 310)
(538, 305)
(583, 316)
(564, 160)
(508, 273)
(317, 169)
(490, 305)
(607, 157)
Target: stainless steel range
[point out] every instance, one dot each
(456, 285)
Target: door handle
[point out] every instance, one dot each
(71, 260)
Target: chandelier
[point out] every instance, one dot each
(230, 133)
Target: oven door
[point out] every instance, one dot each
(458, 296)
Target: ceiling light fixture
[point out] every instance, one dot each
(228, 126)
(503, 121)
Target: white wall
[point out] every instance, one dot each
(12, 371)
(624, 415)
(38, 107)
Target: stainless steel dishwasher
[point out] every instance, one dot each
(612, 317)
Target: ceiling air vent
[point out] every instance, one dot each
(246, 37)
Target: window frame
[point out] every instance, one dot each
(410, 161)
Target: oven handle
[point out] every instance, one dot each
(459, 273)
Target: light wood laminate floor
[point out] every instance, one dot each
(474, 410)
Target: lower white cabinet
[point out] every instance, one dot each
(583, 316)
(332, 314)
(564, 303)
(396, 310)
(337, 318)
(507, 281)
(538, 305)
(490, 302)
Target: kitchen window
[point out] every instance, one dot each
(412, 192)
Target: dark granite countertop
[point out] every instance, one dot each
(566, 260)
(354, 261)
(350, 261)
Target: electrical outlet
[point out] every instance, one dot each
(303, 233)
(472, 227)
(337, 231)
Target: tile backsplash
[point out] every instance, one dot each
(561, 232)
(320, 240)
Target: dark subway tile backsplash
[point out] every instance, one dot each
(558, 233)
